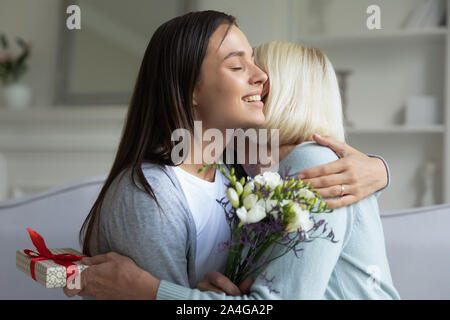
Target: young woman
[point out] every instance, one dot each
(197, 67)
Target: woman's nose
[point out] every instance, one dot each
(259, 76)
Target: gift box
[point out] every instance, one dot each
(50, 267)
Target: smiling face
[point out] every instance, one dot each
(228, 92)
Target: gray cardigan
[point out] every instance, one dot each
(162, 242)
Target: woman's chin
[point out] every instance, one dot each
(255, 122)
(247, 117)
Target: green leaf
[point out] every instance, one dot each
(278, 190)
(233, 180)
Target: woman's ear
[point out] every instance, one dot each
(194, 97)
(195, 108)
(196, 93)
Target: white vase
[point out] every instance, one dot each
(17, 95)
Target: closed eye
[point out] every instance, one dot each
(236, 68)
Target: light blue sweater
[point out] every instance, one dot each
(354, 268)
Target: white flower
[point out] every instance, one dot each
(300, 220)
(305, 193)
(256, 214)
(250, 201)
(239, 188)
(233, 197)
(248, 188)
(272, 179)
(242, 213)
(270, 204)
(260, 180)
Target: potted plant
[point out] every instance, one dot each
(12, 68)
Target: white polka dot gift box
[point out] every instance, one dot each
(52, 268)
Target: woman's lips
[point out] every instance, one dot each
(258, 104)
(253, 100)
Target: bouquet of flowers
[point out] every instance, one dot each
(266, 210)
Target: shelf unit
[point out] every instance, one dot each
(437, 129)
(420, 35)
(388, 66)
(50, 146)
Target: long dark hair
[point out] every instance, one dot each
(161, 102)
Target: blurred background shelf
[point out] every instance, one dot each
(38, 115)
(439, 129)
(378, 37)
(385, 68)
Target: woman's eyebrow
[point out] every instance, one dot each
(234, 54)
(238, 54)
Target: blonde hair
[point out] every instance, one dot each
(304, 93)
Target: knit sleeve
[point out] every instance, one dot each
(158, 239)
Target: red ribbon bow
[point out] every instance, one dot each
(64, 259)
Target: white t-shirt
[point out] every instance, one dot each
(209, 217)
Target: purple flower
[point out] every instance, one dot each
(268, 283)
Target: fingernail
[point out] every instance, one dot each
(301, 175)
(317, 135)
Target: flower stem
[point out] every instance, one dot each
(258, 255)
(231, 263)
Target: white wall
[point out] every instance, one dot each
(347, 16)
(40, 22)
(260, 20)
(119, 34)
